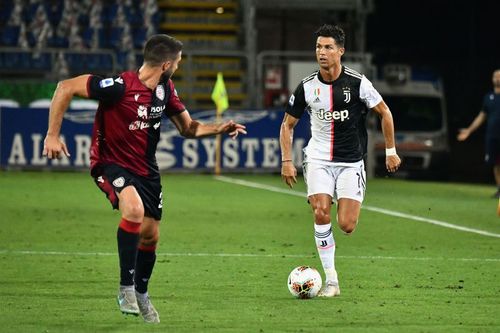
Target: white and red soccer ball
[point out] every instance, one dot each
(304, 282)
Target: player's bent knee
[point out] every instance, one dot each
(133, 212)
(321, 216)
(348, 225)
(148, 240)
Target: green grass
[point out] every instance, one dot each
(396, 274)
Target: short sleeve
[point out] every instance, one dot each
(108, 90)
(174, 105)
(297, 102)
(368, 94)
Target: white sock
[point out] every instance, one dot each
(326, 250)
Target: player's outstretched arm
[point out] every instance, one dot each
(464, 133)
(53, 146)
(288, 170)
(190, 128)
(392, 160)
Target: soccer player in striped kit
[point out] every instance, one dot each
(337, 100)
(122, 156)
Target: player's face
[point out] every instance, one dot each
(496, 79)
(328, 53)
(170, 67)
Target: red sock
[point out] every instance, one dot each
(130, 227)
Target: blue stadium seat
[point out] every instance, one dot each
(28, 12)
(31, 38)
(57, 41)
(139, 37)
(115, 37)
(54, 10)
(139, 58)
(86, 35)
(121, 59)
(10, 60)
(103, 37)
(43, 62)
(75, 62)
(25, 60)
(10, 35)
(92, 62)
(106, 62)
(108, 13)
(133, 15)
(6, 10)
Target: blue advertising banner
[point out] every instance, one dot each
(22, 131)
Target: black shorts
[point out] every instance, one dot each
(492, 156)
(112, 179)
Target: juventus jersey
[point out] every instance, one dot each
(337, 113)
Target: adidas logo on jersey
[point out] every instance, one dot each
(317, 100)
(327, 115)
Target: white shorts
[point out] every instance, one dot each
(339, 180)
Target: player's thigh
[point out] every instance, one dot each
(351, 183)
(319, 179)
(130, 202)
(150, 191)
(120, 188)
(348, 211)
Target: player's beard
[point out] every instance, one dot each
(166, 75)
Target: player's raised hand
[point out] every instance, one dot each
(289, 173)
(53, 147)
(232, 129)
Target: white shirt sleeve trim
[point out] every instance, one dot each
(368, 94)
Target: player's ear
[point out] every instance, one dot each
(165, 66)
(342, 51)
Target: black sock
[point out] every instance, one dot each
(127, 251)
(143, 269)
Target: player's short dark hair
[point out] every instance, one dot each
(160, 48)
(334, 31)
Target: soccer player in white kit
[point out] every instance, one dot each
(337, 100)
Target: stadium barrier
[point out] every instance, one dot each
(22, 131)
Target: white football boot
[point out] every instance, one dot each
(330, 289)
(127, 300)
(147, 309)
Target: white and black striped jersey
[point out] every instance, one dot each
(337, 112)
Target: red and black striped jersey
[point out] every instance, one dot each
(127, 123)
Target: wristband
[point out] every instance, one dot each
(390, 151)
(286, 161)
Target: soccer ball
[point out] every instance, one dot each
(304, 282)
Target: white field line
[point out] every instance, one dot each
(238, 255)
(370, 208)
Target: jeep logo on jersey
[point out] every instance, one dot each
(327, 115)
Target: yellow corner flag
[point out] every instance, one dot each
(219, 94)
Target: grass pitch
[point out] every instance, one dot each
(226, 251)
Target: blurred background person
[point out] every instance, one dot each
(491, 114)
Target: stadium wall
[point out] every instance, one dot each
(22, 131)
